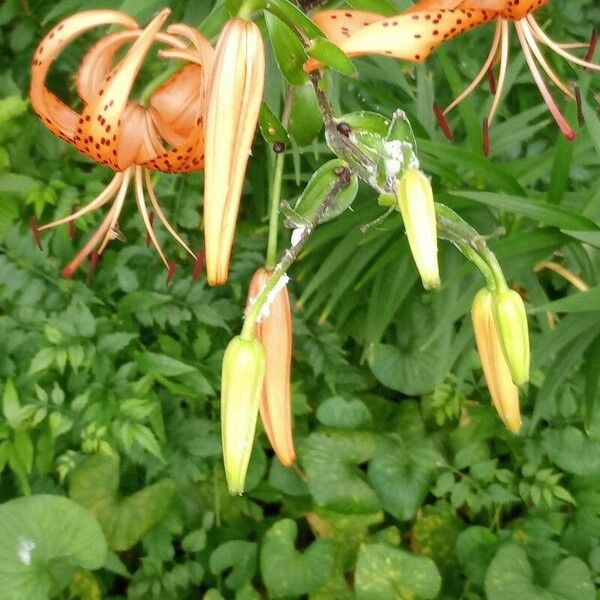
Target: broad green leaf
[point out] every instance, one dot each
(573, 451)
(343, 414)
(475, 548)
(435, 533)
(124, 519)
(332, 464)
(387, 573)
(401, 473)
(238, 555)
(43, 541)
(347, 531)
(511, 576)
(288, 572)
(418, 362)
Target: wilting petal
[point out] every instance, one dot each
(57, 117)
(275, 334)
(101, 120)
(233, 107)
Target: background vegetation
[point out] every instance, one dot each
(408, 485)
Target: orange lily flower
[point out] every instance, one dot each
(416, 32)
(120, 133)
(232, 114)
(275, 334)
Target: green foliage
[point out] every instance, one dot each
(45, 539)
(407, 484)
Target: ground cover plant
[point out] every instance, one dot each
(131, 379)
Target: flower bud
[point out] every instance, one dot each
(232, 114)
(242, 378)
(511, 322)
(504, 393)
(275, 334)
(415, 203)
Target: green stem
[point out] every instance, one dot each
(276, 186)
(289, 257)
(248, 8)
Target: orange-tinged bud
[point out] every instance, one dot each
(275, 333)
(504, 393)
(511, 322)
(233, 107)
(242, 378)
(415, 203)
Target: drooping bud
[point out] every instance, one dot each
(511, 322)
(504, 393)
(307, 210)
(233, 107)
(275, 334)
(415, 203)
(242, 378)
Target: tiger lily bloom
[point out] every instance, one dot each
(504, 393)
(232, 115)
(415, 33)
(117, 132)
(274, 332)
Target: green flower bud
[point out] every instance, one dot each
(511, 321)
(504, 393)
(306, 210)
(242, 378)
(415, 203)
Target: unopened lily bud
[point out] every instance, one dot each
(415, 203)
(504, 393)
(511, 321)
(232, 114)
(274, 331)
(242, 378)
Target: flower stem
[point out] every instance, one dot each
(275, 198)
(289, 256)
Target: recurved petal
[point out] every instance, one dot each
(426, 5)
(178, 111)
(101, 120)
(176, 105)
(98, 61)
(413, 36)
(58, 117)
(340, 24)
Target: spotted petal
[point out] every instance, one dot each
(337, 25)
(57, 116)
(98, 61)
(413, 36)
(101, 120)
